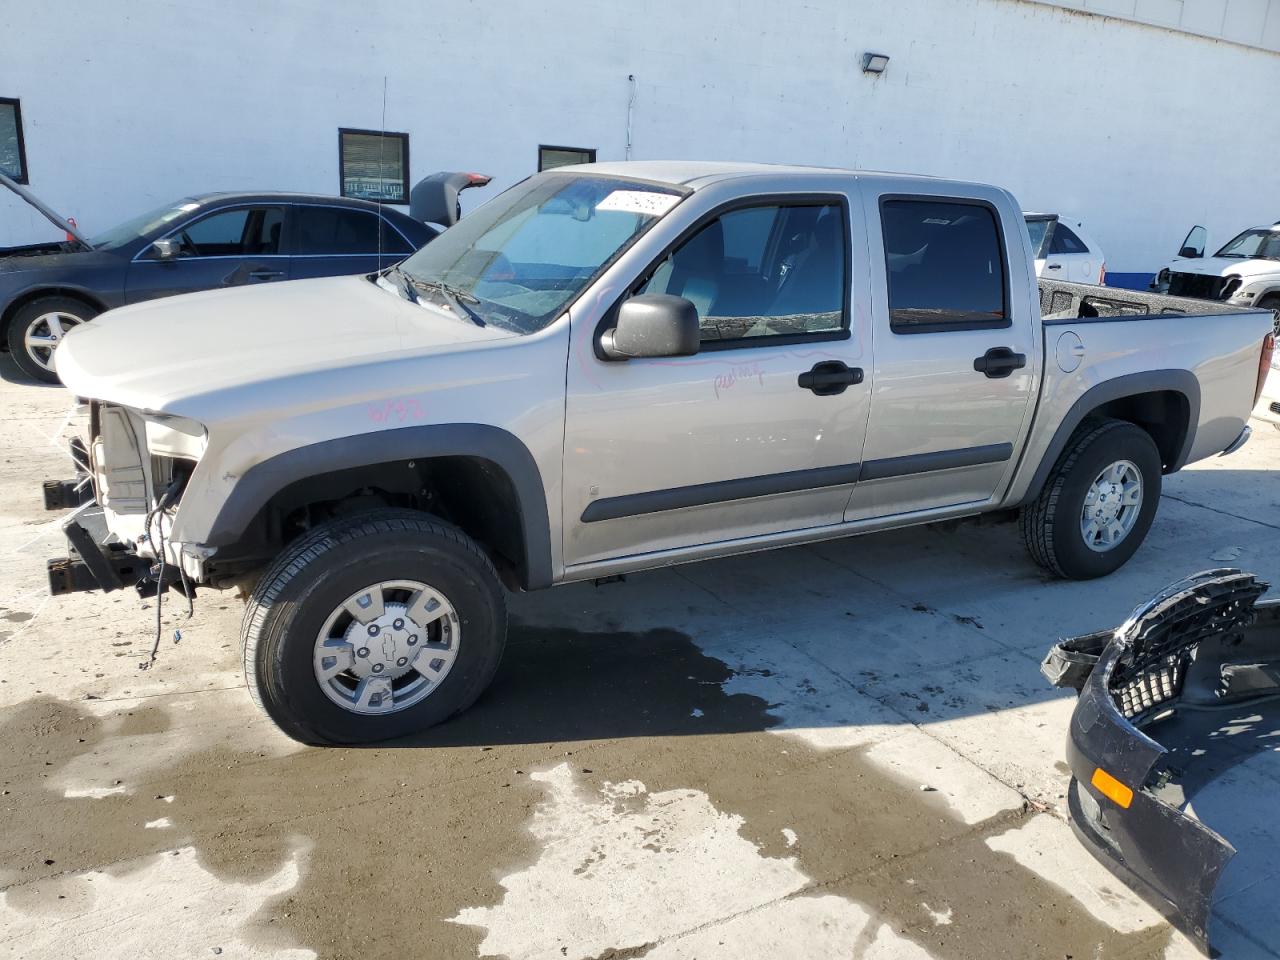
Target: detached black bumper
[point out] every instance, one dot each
(1192, 645)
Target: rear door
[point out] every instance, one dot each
(228, 247)
(334, 241)
(955, 354)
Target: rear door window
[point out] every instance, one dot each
(330, 231)
(945, 265)
(1065, 241)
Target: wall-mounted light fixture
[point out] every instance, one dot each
(874, 62)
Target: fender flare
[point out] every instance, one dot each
(1182, 382)
(264, 480)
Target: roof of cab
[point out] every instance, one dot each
(695, 174)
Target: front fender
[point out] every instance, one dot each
(255, 488)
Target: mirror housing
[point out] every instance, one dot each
(167, 249)
(653, 325)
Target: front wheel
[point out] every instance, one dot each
(1098, 502)
(372, 627)
(38, 327)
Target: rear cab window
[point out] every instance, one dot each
(944, 265)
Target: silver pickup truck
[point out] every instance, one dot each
(611, 368)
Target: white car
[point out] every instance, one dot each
(1268, 406)
(1245, 272)
(1064, 251)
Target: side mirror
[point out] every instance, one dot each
(1190, 253)
(168, 248)
(653, 325)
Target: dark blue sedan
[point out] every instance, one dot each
(200, 243)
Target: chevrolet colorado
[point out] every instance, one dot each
(610, 368)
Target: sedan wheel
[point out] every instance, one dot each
(37, 328)
(44, 333)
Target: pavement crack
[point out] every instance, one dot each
(1224, 513)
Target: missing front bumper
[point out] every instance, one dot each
(90, 565)
(1198, 647)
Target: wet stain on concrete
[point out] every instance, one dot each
(404, 835)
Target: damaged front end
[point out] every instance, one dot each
(130, 476)
(1201, 646)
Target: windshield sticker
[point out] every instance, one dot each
(643, 202)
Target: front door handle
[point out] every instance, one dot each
(265, 274)
(829, 377)
(999, 362)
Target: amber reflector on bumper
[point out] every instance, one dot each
(1111, 788)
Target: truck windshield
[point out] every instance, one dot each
(1253, 245)
(523, 256)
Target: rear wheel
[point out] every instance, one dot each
(373, 627)
(37, 328)
(1098, 503)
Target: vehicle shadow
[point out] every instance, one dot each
(11, 372)
(558, 685)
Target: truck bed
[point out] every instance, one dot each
(1062, 302)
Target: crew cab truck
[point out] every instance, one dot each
(611, 368)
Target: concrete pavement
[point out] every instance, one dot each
(840, 750)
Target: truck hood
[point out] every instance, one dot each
(1221, 266)
(165, 354)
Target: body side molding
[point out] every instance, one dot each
(745, 488)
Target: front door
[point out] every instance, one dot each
(762, 430)
(954, 357)
(230, 247)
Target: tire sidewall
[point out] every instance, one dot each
(1125, 442)
(22, 320)
(285, 655)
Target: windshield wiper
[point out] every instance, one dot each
(405, 284)
(455, 298)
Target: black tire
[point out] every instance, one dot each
(33, 363)
(1271, 302)
(1051, 525)
(314, 575)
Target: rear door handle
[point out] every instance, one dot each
(829, 377)
(264, 274)
(999, 362)
(1055, 266)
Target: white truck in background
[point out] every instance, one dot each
(1245, 272)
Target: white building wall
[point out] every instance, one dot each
(1140, 131)
(1252, 22)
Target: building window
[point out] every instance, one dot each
(13, 153)
(375, 165)
(551, 157)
